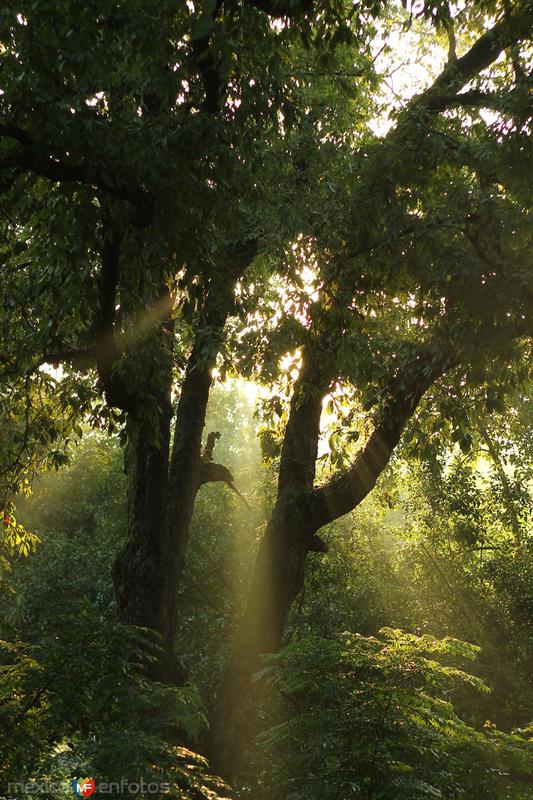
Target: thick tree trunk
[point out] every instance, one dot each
(276, 581)
(138, 569)
(163, 482)
(278, 573)
(162, 487)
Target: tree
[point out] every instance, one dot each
(144, 169)
(422, 292)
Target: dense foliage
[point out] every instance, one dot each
(75, 692)
(375, 718)
(379, 713)
(319, 210)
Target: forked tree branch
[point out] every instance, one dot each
(347, 490)
(457, 73)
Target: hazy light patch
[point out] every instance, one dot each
(291, 363)
(249, 389)
(406, 66)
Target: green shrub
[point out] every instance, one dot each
(373, 719)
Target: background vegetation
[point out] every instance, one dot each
(353, 707)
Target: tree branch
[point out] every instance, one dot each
(28, 157)
(346, 491)
(478, 99)
(442, 94)
(74, 355)
(300, 442)
(185, 460)
(481, 55)
(210, 472)
(106, 349)
(212, 438)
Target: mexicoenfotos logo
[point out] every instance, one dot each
(84, 787)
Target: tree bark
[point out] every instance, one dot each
(184, 478)
(163, 481)
(162, 487)
(278, 573)
(139, 569)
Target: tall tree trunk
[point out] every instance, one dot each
(139, 569)
(162, 481)
(162, 487)
(278, 573)
(276, 581)
(185, 462)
